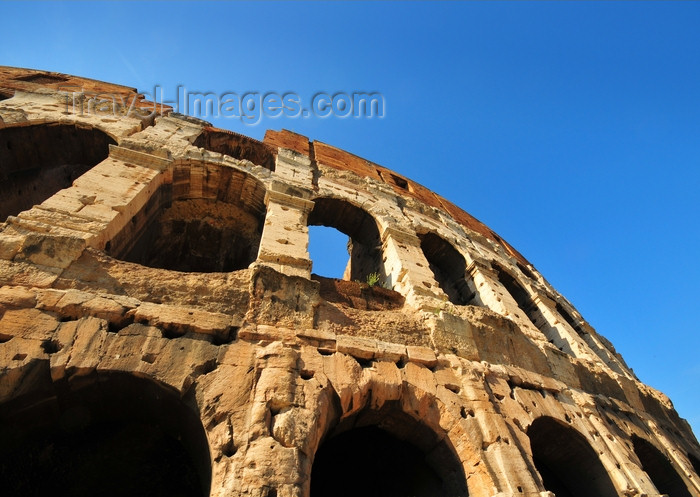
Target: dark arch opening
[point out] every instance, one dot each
(448, 266)
(526, 271)
(569, 318)
(568, 465)
(659, 468)
(209, 219)
(364, 244)
(695, 462)
(38, 160)
(113, 437)
(521, 296)
(386, 453)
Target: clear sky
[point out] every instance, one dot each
(571, 129)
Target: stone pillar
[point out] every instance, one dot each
(489, 291)
(284, 244)
(406, 268)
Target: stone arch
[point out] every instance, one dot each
(566, 462)
(209, 218)
(387, 452)
(110, 434)
(659, 468)
(364, 244)
(448, 266)
(39, 159)
(520, 295)
(371, 397)
(236, 146)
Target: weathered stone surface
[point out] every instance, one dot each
(448, 340)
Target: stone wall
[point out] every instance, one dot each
(161, 330)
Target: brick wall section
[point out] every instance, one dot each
(30, 80)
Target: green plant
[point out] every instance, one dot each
(372, 279)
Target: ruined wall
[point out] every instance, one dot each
(160, 329)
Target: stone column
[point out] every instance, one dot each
(406, 268)
(284, 244)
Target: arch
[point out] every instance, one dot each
(520, 295)
(209, 219)
(38, 160)
(113, 435)
(236, 146)
(566, 462)
(384, 453)
(448, 266)
(364, 245)
(695, 462)
(659, 468)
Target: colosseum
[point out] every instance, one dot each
(162, 332)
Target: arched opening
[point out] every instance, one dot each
(568, 465)
(448, 266)
(115, 436)
(364, 244)
(695, 462)
(236, 146)
(209, 219)
(569, 318)
(521, 296)
(38, 160)
(386, 453)
(659, 468)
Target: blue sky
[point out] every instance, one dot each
(571, 129)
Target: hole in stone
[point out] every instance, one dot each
(19, 357)
(272, 492)
(113, 437)
(306, 375)
(209, 220)
(5, 338)
(229, 450)
(43, 159)
(386, 453)
(659, 468)
(149, 358)
(568, 465)
(51, 346)
(364, 363)
(226, 337)
(448, 267)
(452, 388)
(399, 181)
